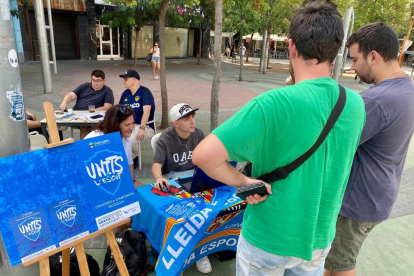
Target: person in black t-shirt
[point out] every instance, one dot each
(94, 93)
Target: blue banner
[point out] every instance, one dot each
(185, 227)
(74, 190)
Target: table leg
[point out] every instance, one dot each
(44, 131)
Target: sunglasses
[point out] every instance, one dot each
(156, 44)
(124, 109)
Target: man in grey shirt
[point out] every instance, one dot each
(174, 151)
(378, 164)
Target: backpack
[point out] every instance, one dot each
(55, 263)
(133, 250)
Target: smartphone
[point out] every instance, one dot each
(254, 189)
(96, 116)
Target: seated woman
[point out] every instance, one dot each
(118, 118)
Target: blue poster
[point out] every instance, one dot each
(68, 220)
(32, 234)
(87, 183)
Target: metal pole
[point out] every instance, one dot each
(52, 36)
(14, 135)
(339, 61)
(43, 47)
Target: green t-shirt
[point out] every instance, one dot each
(274, 129)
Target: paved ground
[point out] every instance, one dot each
(388, 251)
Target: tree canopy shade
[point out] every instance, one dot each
(131, 16)
(395, 13)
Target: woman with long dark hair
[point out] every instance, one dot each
(118, 118)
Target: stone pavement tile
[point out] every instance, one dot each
(405, 201)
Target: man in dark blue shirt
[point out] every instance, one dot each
(379, 161)
(90, 93)
(140, 99)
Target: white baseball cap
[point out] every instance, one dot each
(180, 110)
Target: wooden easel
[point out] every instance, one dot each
(78, 244)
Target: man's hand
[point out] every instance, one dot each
(141, 134)
(161, 182)
(63, 106)
(255, 199)
(31, 114)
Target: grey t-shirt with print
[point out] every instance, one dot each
(171, 151)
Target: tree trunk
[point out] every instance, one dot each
(136, 46)
(163, 77)
(215, 89)
(266, 55)
(250, 47)
(241, 60)
(267, 47)
(262, 52)
(200, 31)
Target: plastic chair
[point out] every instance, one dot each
(154, 140)
(37, 141)
(139, 144)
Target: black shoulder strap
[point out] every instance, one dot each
(283, 172)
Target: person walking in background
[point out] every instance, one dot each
(228, 50)
(155, 60)
(379, 161)
(289, 231)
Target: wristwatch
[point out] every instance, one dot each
(142, 127)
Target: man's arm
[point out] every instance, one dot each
(33, 124)
(157, 174)
(67, 99)
(144, 121)
(211, 156)
(105, 107)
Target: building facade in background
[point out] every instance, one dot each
(80, 36)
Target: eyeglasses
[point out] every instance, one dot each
(124, 109)
(96, 81)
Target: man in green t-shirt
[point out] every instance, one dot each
(292, 228)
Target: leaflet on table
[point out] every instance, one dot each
(93, 117)
(32, 234)
(80, 188)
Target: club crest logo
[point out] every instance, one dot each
(67, 214)
(31, 227)
(91, 145)
(136, 98)
(105, 170)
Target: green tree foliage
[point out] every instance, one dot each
(198, 13)
(241, 16)
(395, 13)
(131, 16)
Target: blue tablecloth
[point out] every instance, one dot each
(186, 227)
